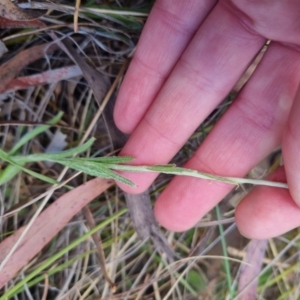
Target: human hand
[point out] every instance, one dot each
(190, 55)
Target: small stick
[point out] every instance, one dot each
(76, 14)
(139, 205)
(98, 243)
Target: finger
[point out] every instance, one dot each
(278, 22)
(203, 76)
(249, 130)
(291, 150)
(168, 30)
(267, 212)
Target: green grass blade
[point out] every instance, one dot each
(6, 158)
(93, 169)
(68, 263)
(225, 253)
(172, 169)
(8, 173)
(111, 159)
(55, 257)
(54, 156)
(34, 132)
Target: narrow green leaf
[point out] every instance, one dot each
(54, 156)
(172, 169)
(34, 132)
(93, 169)
(8, 173)
(225, 253)
(110, 159)
(6, 158)
(59, 254)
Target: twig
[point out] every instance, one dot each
(100, 253)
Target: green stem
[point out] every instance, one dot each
(226, 261)
(172, 169)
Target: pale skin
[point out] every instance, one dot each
(190, 55)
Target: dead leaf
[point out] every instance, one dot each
(248, 279)
(46, 226)
(12, 68)
(46, 77)
(10, 11)
(6, 23)
(96, 81)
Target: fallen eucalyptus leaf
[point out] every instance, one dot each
(96, 81)
(6, 23)
(50, 76)
(10, 69)
(10, 11)
(249, 272)
(46, 226)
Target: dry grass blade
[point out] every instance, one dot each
(242, 254)
(76, 14)
(46, 226)
(70, 9)
(31, 124)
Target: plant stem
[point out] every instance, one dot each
(172, 169)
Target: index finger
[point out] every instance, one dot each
(168, 30)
